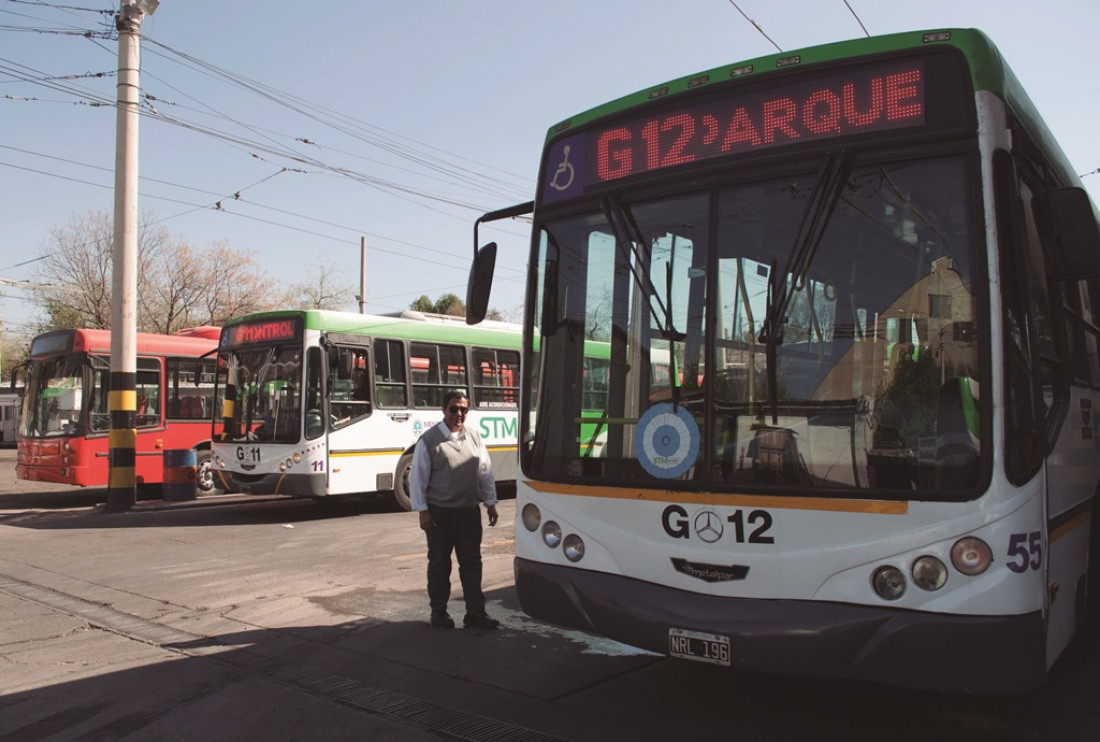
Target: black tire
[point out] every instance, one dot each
(401, 482)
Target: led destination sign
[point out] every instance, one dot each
(871, 98)
(265, 331)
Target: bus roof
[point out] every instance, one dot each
(988, 72)
(410, 326)
(192, 342)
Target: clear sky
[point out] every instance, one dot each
(293, 129)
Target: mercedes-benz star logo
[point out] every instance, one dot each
(708, 526)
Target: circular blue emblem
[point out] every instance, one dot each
(667, 441)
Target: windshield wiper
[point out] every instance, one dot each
(823, 200)
(629, 236)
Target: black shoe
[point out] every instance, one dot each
(441, 620)
(480, 621)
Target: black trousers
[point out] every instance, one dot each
(457, 530)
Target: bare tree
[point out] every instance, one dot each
(13, 351)
(236, 286)
(76, 263)
(178, 285)
(171, 287)
(323, 289)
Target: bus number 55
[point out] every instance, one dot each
(1020, 546)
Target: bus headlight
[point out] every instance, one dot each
(889, 583)
(929, 573)
(971, 555)
(573, 547)
(551, 534)
(531, 517)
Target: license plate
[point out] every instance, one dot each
(699, 646)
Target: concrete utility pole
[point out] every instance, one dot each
(362, 275)
(122, 479)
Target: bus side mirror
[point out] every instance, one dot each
(15, 372)
(1077, 241)
(480, 283)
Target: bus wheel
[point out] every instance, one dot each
(205, 480)
(401, 482)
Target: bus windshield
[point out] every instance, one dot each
(817, 331)
(55, 398)
(264, 383)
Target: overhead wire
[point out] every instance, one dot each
(403, 148)
(755, 25)
(860, 22)
(231, 198)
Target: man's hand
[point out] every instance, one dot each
(492, 511)
(426, 522)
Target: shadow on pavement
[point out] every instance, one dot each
(45, 513)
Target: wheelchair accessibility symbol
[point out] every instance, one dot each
(563, 172)
(667, 441)
(563, 176)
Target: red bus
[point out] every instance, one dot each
(63, 430)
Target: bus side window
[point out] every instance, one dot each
(434, 370)
(148, 393)
(389, 374)
(350, 397)
(496, 377)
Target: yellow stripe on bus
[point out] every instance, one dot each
(398, 451)
(1075, 522)
(876, 507)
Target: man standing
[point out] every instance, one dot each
(450, 476)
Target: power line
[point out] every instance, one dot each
(425, 161)
(853, 12)
(755, 25)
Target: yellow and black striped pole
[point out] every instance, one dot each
(122, 478)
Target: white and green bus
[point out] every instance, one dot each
(321, 404)
(871, 281)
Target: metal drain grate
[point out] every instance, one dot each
(336, 688)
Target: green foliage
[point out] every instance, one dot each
(446, 304)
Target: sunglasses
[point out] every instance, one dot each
(456, 410)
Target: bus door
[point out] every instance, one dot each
(352, 444)
(1066, 402)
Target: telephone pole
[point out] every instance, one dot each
(362, 275)
(122, 479)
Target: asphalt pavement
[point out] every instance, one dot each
(255, 618)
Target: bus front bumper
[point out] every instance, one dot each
(294, 485)
(929, 651)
